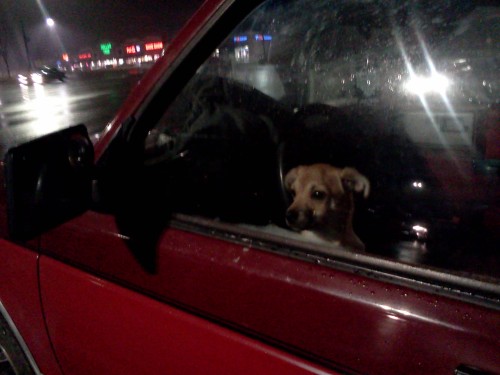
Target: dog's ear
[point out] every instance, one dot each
(290, 177)
(355, 181)
(333, 179)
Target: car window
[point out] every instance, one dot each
(357, 125)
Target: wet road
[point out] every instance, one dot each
(91, 98)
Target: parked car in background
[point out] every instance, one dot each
(165, 246)
(43, 75)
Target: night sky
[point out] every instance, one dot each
(86, 23)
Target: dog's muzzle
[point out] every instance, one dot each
(299, 219)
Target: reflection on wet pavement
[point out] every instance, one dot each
(28, 112)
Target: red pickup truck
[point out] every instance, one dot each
(296, 187)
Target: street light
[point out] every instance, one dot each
(50, 23)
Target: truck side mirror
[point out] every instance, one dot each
(48, 181)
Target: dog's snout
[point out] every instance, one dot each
(299, 219)
(292, 216)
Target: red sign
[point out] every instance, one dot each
(153, 46)
(132, 49)
(85, 56)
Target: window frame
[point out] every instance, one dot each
(431, 280)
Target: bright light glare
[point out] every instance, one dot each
(418, 184)
(50, 22)
(420, 85)
(37, 78)
(22, 79)
(419, 229)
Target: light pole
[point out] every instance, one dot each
(26, 40)
(50, 23)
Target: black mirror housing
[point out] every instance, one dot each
(48, 181)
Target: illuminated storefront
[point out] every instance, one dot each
(252, 47)
(133, 52)
(143, 52)
(84, 59)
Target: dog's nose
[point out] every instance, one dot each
(292, 216)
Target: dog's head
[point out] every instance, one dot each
(323, 196)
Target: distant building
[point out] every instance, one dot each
(132, 52)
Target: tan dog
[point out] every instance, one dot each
(323, 201)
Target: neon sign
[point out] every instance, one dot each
(263, 37)
(106, 48)
(132, 49)
(153, 46)
(242, 38)
(85, 56)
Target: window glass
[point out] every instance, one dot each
(362, 125)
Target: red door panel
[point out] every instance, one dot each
(342, 319)
(19, 291)
(100, 328)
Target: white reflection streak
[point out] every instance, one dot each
(46, 109)
(399, 314)
(421, 96)
(443, 95)
(459, 125)
(430, 63)
(413, 76)
(25, 92)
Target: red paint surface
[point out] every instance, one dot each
(99, 328)
(19, 296)
(344, 320)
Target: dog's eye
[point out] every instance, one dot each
(318, 195)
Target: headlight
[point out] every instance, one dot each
(420, 232)
(420, 85)
(36, 78)
(22, 79)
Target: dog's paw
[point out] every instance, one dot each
(315, 237)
